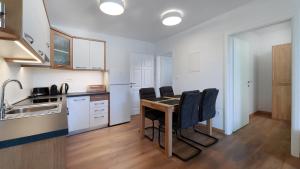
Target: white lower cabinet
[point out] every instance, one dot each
(79, 115)
(99, 113)
(87, 112)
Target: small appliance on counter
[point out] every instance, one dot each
(40, 91)
(64, 88)
(39, 95)
(54, 90)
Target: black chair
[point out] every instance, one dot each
(186, 117)
(207, 111)
(166, 91)
(153, 115)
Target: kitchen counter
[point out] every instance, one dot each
(86, 94)
(34, 128)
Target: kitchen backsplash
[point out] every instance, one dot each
(43, 77)
(14, 71)
(77, 80)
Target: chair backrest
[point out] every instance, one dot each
(188, 109)
(166, 91)
(147, 93)
(207, 106)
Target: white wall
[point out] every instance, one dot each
(261, 42)
(209, 39)
(14, 71)
(77, 80)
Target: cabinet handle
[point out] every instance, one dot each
(76, 100)
(80, 67)
(41, 52)
(29, 38)
(46, 58)
(98, 117)
(99, 110)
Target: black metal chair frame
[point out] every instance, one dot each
(153, 131)
(215, 140)
(182, 140)
(153, 120)
(177, 128)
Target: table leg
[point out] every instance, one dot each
(168, 132)
(142, 121)
(209, 126)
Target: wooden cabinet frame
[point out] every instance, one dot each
(58, 66)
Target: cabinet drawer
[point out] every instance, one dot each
(98, 120)
(103, 110)
(99, 104)
(99, 97)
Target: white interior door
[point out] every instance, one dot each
(242, 83)
(141, 76)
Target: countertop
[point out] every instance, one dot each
(35, 128)
(76, 94)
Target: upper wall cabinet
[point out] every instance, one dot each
(26, 22)
(81, 54)
(61, 50)
(97, 55)
(36, 29)
(88, 54)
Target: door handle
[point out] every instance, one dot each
(131, 84)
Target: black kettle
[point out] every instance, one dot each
(53, 90)
(64, 88)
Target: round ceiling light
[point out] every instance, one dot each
(172, 17)
(112, 7)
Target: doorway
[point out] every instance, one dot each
(164, 71)
(262, 73)
(141, 76)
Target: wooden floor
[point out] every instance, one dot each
(264, 144)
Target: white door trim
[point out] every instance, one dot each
(295, 121)
(228, 81)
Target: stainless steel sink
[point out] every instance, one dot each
(33, 110)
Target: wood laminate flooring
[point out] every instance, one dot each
(263, 144)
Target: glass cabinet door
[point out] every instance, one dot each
(61, 50)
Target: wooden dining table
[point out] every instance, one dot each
(166, 105)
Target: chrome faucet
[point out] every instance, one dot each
(2, 104)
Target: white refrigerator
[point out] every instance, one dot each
(119, 88)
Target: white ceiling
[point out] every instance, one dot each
(141, 19)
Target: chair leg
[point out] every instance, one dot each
(191, 157)
(153, 128)
(177, 155)
(159, 130)
(215, 140)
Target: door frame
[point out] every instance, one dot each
(229, 80)
(157, 70)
